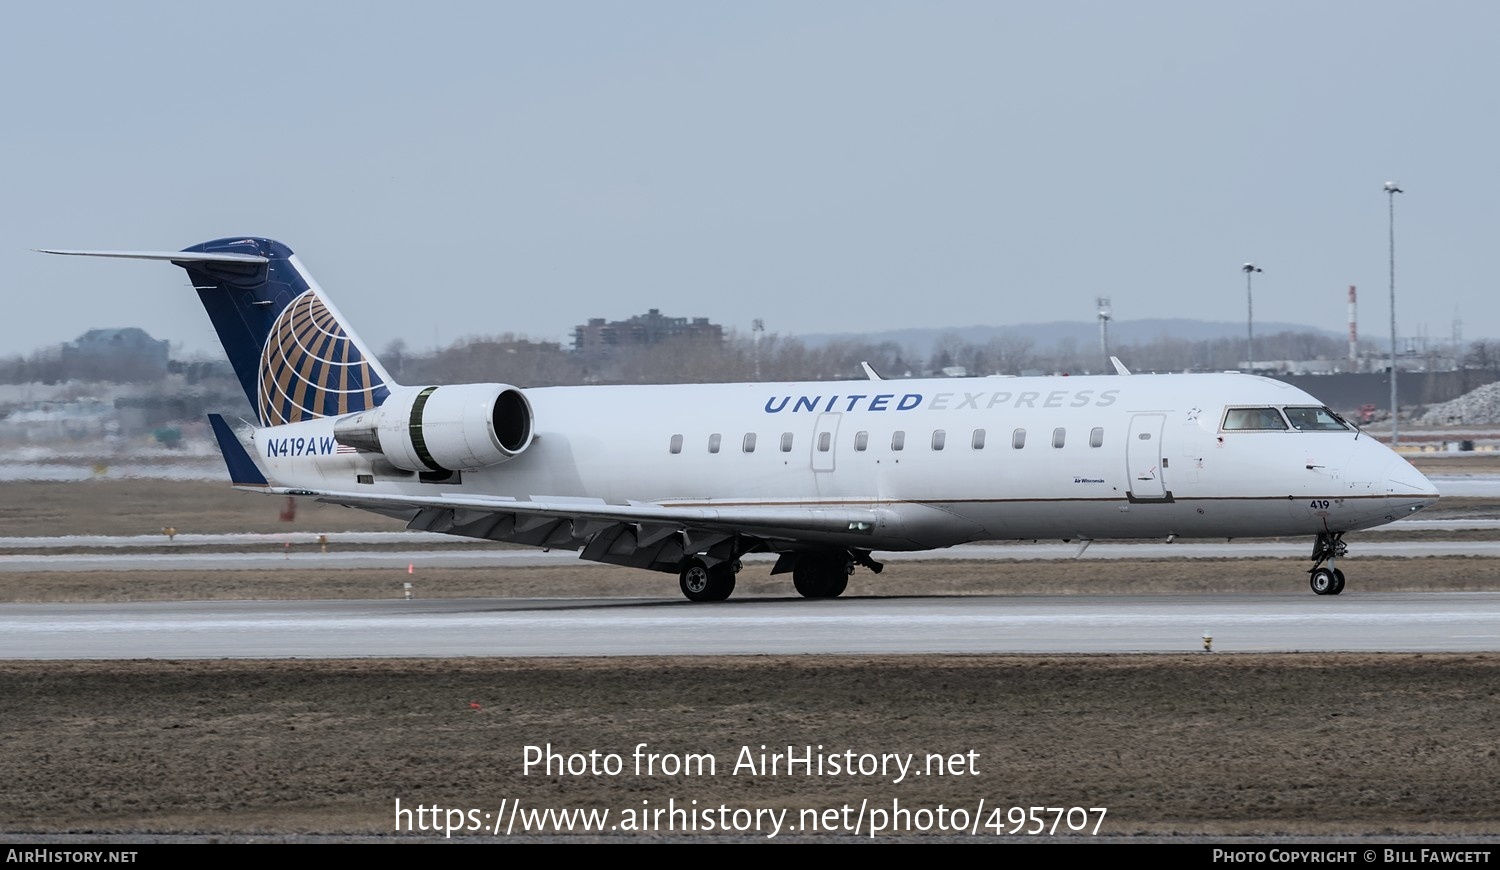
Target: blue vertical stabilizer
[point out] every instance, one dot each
(293, 353)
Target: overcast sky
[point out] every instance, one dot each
(455, 169)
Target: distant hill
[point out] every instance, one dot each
(1048, 336)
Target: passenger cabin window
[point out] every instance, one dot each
(939, 438)
(786, 442)
(713, 443)
(1243, 419)
(749, 442)
(1308, 419)
(898, 440)
(978, 442)
(1096, 437)
(1059, 435)
(676, 446)
(825, 441)
(1018, 439)
(861, 441)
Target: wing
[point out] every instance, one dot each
(635, 534)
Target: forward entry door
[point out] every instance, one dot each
(1143, 463)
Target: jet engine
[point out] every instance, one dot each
(448, 428)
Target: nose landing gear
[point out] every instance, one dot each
(1326, 579)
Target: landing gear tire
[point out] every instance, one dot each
(1326, 581)
(822, 575)
(1324, 578)
(700, 582)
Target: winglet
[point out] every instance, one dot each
(242, 469)
(870, 372)
(1119, 366)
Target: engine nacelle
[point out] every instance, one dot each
(450, 428)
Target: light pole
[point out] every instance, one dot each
(757, 327)
(1104, 330)
(1249, 269)
(1391, 189)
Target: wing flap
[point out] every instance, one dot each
(812, 519)
(636, 535)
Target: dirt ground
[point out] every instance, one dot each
(144, 506)
(1317, 746)
(1292, 745)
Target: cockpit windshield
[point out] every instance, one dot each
(1303, 418)
(1308, 419)
(1253, 419)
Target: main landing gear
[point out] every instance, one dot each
(822, 575)
(1326, 579)
(703, 582)
(825, 573)
(815, 573)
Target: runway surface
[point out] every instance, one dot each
(344, 540)
(308, 556)
(1278, 622)
(1394, 622)
(1458, 485)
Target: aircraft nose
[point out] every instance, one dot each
(1377, 469)
(1402, 479)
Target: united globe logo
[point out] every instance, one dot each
(310, 367)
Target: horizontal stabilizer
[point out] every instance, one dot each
(173, 256)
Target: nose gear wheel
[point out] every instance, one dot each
(1326, 579)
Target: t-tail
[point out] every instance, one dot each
(304, 369)
(294, 354)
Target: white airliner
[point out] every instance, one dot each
(688, 478)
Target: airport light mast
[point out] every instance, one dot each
(757, 329)
(1104, 317)
(1249, 269)
(1391, 189)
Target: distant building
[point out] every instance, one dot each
(54, 422)
(599, 338)
(128, 354)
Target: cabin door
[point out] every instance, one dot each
(1143, 463)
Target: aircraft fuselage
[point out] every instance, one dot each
(943, 461)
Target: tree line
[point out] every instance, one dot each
(513, 359)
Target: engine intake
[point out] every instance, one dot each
(449, 428)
